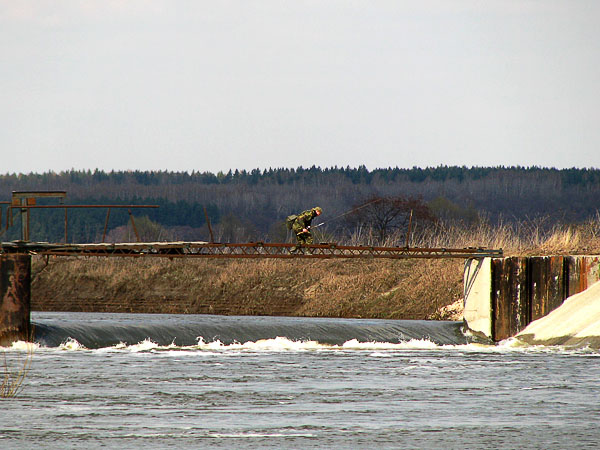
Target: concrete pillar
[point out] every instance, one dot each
(478, 296)
(15, 293)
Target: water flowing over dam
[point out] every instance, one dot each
(94, 330)
(287, 394)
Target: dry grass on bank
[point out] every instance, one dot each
(331, 288)
(399, 289)
(528, 237)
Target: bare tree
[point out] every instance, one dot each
(385, 215)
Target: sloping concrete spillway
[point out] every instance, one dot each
(576, 323)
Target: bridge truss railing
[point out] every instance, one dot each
(242, 250)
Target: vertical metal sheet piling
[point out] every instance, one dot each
(528, 288)
(522, 306)
(15, 292)
(510, 303)
(538, 282)
(547, 284)
(499, 313)
(577, 269)
(555, 295)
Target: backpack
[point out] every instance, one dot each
(289, 221)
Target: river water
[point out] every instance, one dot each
(429, 386)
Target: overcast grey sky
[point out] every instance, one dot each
(239, 84)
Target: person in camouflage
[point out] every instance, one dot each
(301, 226)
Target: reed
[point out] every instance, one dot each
(13, 377)
(535, 236)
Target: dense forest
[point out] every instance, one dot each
(252, 205)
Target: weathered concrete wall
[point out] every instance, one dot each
(512, 292)
(15, 277)
(478, 291)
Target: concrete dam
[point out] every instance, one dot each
(503, 296)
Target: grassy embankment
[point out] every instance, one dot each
(400, 289)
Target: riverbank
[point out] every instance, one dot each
(376, 288)
(390, 289)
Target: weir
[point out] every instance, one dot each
(16, 264)
(503, 295)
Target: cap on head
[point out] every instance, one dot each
(317, 210)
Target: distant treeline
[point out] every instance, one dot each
(360, 175)
(252, 204)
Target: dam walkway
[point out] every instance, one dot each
(201, 249)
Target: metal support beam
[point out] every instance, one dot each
(242, 250)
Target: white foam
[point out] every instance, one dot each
(259, 435)
(115, 348)
(144, 346)
(417, 344)
(380, 355)
(71, 345)
(282, 344)
(23, 346)
(374, 349)
(278, 344)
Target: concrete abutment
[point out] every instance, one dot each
(15, 295)
(503, 295)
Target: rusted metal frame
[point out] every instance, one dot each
(223, 256)
(2, 231)
(137, 236)
(212, 239)
(237, 256)
(409, 228)
(106, 224)
(26, 229)
(220, 254)
(80, 206)
(263, 250)
(354, 251)
(268, 248)
(8, 221)
(39, 194)
(24, 208)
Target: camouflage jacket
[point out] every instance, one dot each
(303, 220)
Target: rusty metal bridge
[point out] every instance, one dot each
(241, 250)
